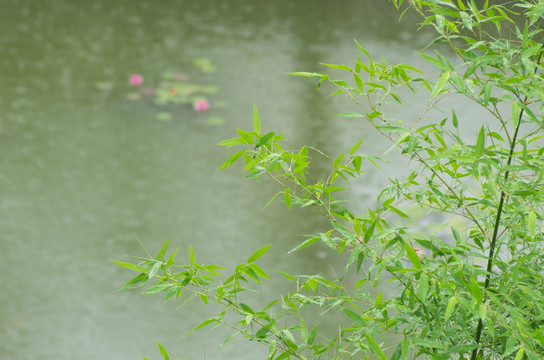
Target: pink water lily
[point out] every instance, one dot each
(201, 105)
(136, 79)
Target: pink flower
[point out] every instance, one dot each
(419, 252)
(136, 79)
(201, 105)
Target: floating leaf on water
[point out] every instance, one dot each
(104, 85)
(134, 96)
(209, 89)
(216, 120)
(219, 103)
(167, 75)
(164, 116)
(204, 64)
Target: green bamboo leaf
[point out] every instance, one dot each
(456, 235)
(131, 266)
(232, 159)
(440, 22)
(355, 147)
(397, 211)
(285, 355)
(375, 348)
(155, 269)
(308, 74)
(257, 254)
(338, 160)
(256, 120)
(454, 118)
(287, 276)
(287, 197)
(157, 288)
(264, 139)
(192, 258)
(466, 19)
(312, 336)
(252, 275)
(516, 111)
(343, 230)
(435, 62)
(174, 291)
(248, 139)
(161, 253)
(480, 144)
(449, 309)
(423, 288)
(361, 48)
(442, 81)
(520, 353)
(412, 255)
(475, 291)
(172, 257)
(163, 352)
(531, 223)
(304, 244)
(231, 142)
(136, 282)
(460, 349)
(482, 311)
(354, 317)
(202, 324)
(358, 79)
(259, 271)
(369, 232)
(350, 115)
(337, 66)
(261, 334)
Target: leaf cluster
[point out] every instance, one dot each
(474, 288)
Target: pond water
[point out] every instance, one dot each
(86, 173)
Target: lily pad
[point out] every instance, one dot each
(164, 116)
(216, 120)
(204, 64)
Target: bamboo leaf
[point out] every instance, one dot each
(264, 139)
(261, 334)
(480, 144)
(531, 223)
(161, 253)
(136, 282)
(232, 159)
(202, 324)
(304, 244)
(350, 115)
(520, 353)
(257, 254)
(375, 348)
(337, 66)
(449, 309)
(354, 317)
(131, 266)
(516, 111)
(475, 291)
(412, 255)
(163, 352)
(442, 81)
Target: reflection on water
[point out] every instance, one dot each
(85, 173)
